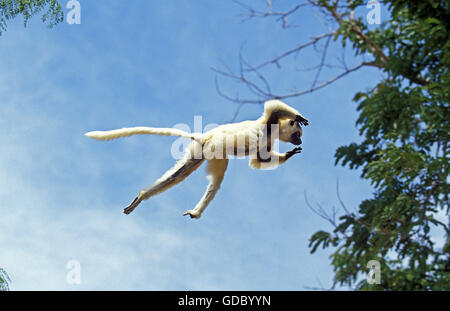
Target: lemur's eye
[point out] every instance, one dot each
(291, 123)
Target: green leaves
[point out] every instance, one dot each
(10, 9)
(4, 280)
(401, 163)
(321, 238)
(404, 154)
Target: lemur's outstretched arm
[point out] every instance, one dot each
(274, 159)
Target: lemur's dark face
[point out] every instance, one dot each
(291, 132)
(296, 137)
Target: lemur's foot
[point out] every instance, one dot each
(132, 205)
(293, 151)
(192, 214)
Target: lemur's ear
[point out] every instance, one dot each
(301, 120)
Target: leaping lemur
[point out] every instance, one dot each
(253, 138)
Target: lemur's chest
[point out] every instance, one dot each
(240, 139)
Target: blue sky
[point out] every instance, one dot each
(149, 63)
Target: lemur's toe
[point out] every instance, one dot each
(128, 209)
(132, 206)
(192, 214)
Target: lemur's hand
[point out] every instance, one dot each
(293, 151)
(301, 120)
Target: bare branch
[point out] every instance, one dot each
(254, 70)
(322, 62)
(316, 67)
(236, 99)
(297, 49)
(264, 95)
(355, 28)
(324, 84)
(281, 16)
(376, 49)
(250, 85)
(236, 113)
(321, 212)
(339, 198)
(252, 76)
(319, 288)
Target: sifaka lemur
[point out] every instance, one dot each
(248, 138)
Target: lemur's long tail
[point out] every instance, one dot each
(142, 130)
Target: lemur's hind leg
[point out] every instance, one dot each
(182, 169)
(216, 172)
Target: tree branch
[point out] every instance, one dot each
(298, 48)
(282, 16)
(376, 49)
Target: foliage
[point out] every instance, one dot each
(10, 9)
(4, 279)
(404, 123)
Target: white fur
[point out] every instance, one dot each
(247, 138)
(140, 130)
